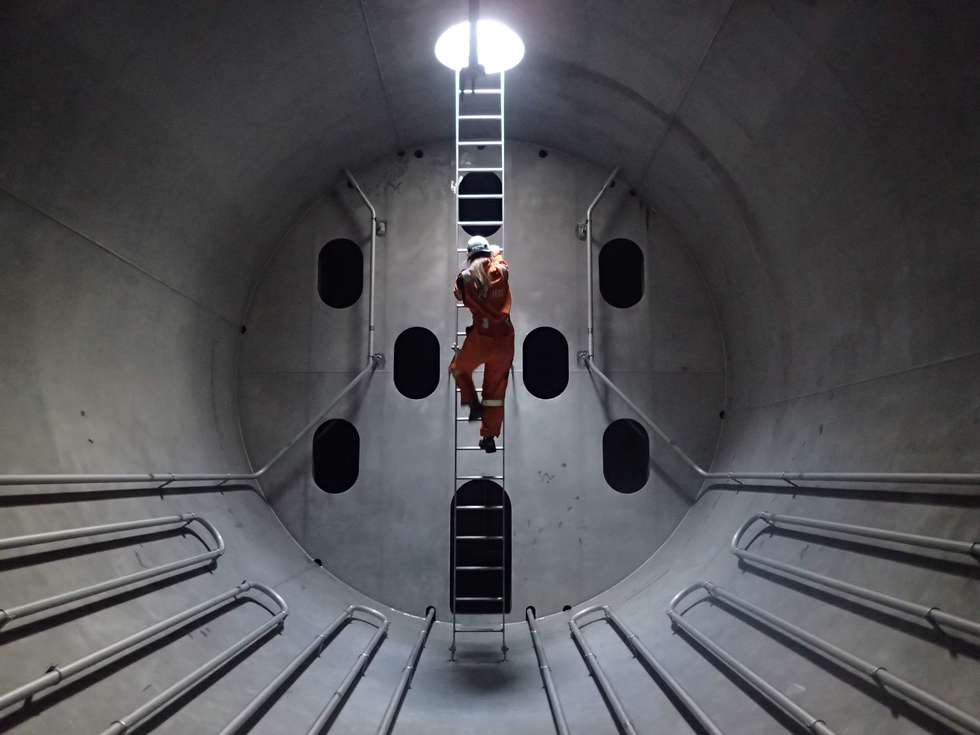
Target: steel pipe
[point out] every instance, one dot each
(616, 708)
(28, 608)
(374, 241)
(588, 257)
(405, 683)
(922, 478)
(170, 477)
(557, 713)
(878, 674)
(314, 649)
(814, 724)
(930, 614)
(337, 699)
(56, 674)
(635, 645)
(171, 693)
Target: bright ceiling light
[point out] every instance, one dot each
(499, 47)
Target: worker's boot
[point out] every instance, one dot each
(476, 410)
(487, 445)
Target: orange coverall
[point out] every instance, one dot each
(489, 341)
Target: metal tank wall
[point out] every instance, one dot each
(819, 160)
(388, 536)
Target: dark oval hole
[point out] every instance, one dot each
(336, 456)
(621, 273)
(416, 368)
(545, 362)
(625, 455)
(481, 210)
(340, 273)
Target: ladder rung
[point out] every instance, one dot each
(478, 599)
(476, 628)
(460, 306)
(479, 507)
(478, 222)
(479, 538)
(481, 117)
(477, 196)
(487, 90)
(480, 142)
(474, 569)
(460, 334)
(469, 169)
(476, 449)
(479, 477)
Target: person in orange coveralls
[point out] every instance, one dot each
(483, 287)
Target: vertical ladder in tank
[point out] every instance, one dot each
(480, 582)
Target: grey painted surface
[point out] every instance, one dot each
(819, 160)
(389, 535)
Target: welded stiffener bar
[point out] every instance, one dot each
(652, 664)
(170, 477)
(57, 674)
(930, 613)
(408, 672)
(878, 674)
(48, 603)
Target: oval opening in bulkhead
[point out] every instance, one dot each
(336, 456)
(416, 363)
(340, 273)
(545, 362)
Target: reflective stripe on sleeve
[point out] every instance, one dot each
(493, 402)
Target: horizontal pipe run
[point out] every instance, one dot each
(930, 542)
(598, 675)
(29, 608)
(767, 690)
(931, 614)
(405, 682)
(171, 477)
(171, 693)
(919, 478)
(635, 645)
(337, 699)
(56, 674)
(878, 674)
(314, 649)
(557, 713)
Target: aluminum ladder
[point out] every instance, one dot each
(479, 149)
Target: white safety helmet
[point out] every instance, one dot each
(477, 246)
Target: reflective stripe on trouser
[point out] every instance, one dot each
(497, 354)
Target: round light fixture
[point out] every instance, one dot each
(499, 48)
